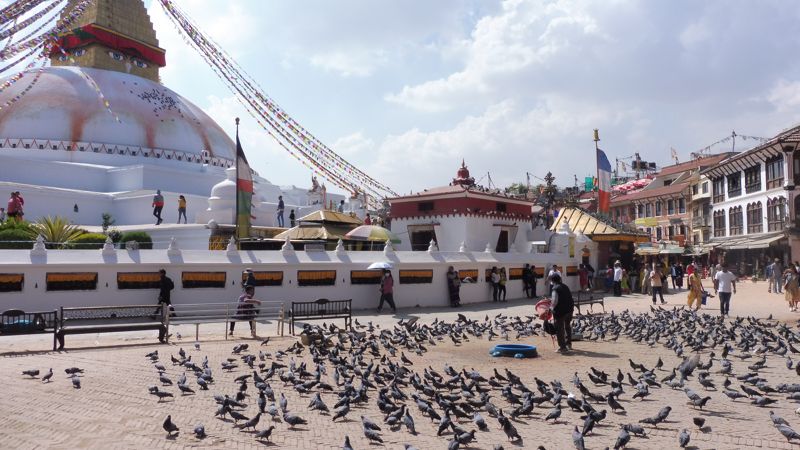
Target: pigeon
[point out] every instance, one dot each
(250, 423)
(369, 424)
(408, 421)
(46, 378)
(372, 435)
(33, 373)
(347, 445)
(777, 420)
(699, 422)
(200, 431)
(342, 412)
(554, 414)
(622, 439)
(480, 422)
(577, 439)
(788, 432)
(683, 438)
(170, 427)
(265, 434)
(185, 389)
(293, 420)
(76, 382)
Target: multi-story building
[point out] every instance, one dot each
(662, 207)
(752, 199)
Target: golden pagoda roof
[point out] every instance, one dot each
(597, 229)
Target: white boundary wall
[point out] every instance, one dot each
(35, 297)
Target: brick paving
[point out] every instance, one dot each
(113, 409)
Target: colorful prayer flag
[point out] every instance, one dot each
(244, 193)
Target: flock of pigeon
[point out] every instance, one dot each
(343, 372)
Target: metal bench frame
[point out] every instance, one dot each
(589, 298)
(110, 319)
(197, 313)
(322, 309)
(38, 323)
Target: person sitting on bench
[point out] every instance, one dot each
(246, 309)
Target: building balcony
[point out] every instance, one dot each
(701, 221)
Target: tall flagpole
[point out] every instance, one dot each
(597, 167)
(236, 193)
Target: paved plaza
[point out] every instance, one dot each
(113, 408)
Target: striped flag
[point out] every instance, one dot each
(604, 182)
(244, 193)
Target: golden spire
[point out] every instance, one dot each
(113, 35)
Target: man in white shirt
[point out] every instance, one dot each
(617, 279)
(726, 286)
(553, 271)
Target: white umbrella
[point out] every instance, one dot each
(381, 265)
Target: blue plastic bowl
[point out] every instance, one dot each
(514, 350)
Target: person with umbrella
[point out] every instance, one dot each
(387, 291)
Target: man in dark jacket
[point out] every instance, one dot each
(562, 306)
(165, 286)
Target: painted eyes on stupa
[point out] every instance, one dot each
(79, 52)
(116, 56)
(139, 63)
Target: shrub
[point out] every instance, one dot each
(88, 241)
(144, 240)
(15, 234)
(57, 231)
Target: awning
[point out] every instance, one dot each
(748, 242)
(595, 228)
(647, 251)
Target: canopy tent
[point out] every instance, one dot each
(375, 233)
(328, 216)
(761, 240)
(595, 228)
(322, 231)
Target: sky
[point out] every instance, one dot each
(406, 90)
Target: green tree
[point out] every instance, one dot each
(517, 189)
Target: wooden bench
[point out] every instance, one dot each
(322, 309)
(197, 313)
(110, 319)
(589, 298)
(17, 322)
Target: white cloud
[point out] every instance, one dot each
(353, 63)
(785, 95)
(353, 144)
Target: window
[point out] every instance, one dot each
(705, 187)
(776, 210)
(694, 189)
(658, 233)
(774, 168)
(681, 205)
(734, 184)
(640, 211)
(719, 190)
(796, 166)
(425, 206)
(719, 223)
(667, 182)
(752, 179)
(670, 232)
(670, 207)
(658, 208)
(648, 210)
(755, 220)
(735, 220)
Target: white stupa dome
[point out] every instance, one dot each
(64, 106)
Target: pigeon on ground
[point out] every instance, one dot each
(622, 440)
(577, 439)
(788, 433)
(200, 431)
(250, 423)
(683, 438)
(699, 422)
(76, 382)
(46, 378)
(265, 434)
(293, 420)
(170, 427)
(372, 435)
(33, 373)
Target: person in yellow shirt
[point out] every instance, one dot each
(695, 290)
(181, 208)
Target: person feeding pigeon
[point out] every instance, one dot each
(562, 306)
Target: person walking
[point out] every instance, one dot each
(246, 310)
(791, 288)
(590, 269)
(340, 208)
(158, 205)
(533, 281)
(726, 286)
(526, 280)
(182, 209)
(291, 219)
(645, 274)
(562, 306)
(387, 291)
(501, 293)
(656, 283)
(281, 207)
(617, 279)
(367, 219)
(494, 277)
(696, 290)
(583, 276)
(14, 208)
(453, 287)
(165, 287)
(673, 274)
(249, 279)
(776, 282)
(553, 272)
